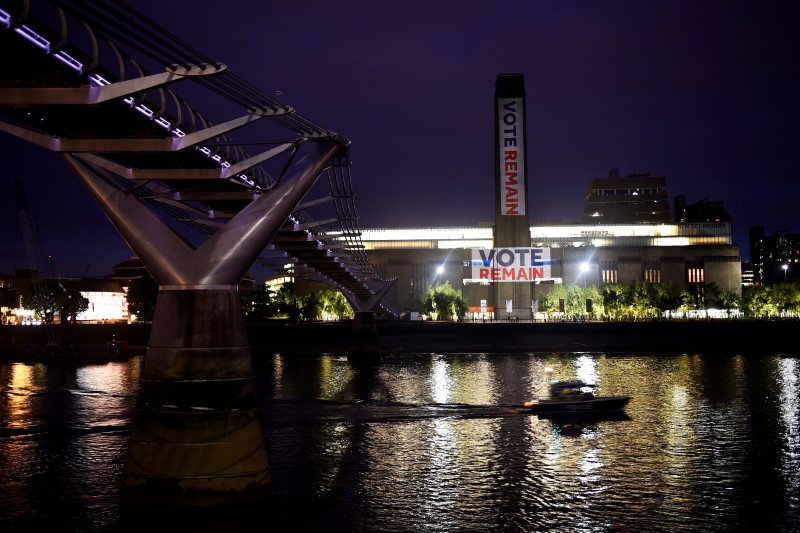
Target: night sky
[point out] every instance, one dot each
(705, 93)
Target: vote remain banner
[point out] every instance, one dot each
(511, 264)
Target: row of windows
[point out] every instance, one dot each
(610, 276)
(567, 242)
(431, 238)
(629, 192)
(558, 242)
(695, 275)
(653, 275)
(594, 204)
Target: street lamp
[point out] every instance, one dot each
(785, 268)
(584, 271)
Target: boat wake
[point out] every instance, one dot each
(315, 411)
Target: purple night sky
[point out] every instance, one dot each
(704, 93)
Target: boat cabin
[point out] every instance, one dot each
(571, 390)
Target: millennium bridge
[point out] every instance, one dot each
(204, 176)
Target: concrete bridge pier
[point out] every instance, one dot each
(364, 347)
(197, 438)
(364, 350)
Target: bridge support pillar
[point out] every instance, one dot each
(364, 347)
(197, 438)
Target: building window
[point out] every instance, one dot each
(609, 275)
(651, 272)
(652, 275)
(695, 272)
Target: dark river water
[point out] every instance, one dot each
(431, 442)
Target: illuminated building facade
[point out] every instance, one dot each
(107, 301)
(8, 300)
(579, 254)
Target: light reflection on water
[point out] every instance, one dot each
(63, 431)
(690, 456)
(428, 442)
(789, 402)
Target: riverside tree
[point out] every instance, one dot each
(42, 305)
(446, 302)
(70, 302)
(142, 296)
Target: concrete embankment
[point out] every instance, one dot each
(745, 337)
(715, 336)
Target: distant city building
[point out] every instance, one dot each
(275, 283)
(107, 301)
(775, 257)
(127, 271)
(8, 300)
(106, 297)
(702, 211)
(627, 200)
(747, 274)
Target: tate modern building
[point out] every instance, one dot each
(627, 234)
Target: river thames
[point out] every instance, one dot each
(432, 442)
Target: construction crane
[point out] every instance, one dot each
(33, 251)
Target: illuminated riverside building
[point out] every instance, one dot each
(107, 301)
(504, 267)
(579, 254)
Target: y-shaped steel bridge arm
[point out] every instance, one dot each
(225, 257)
